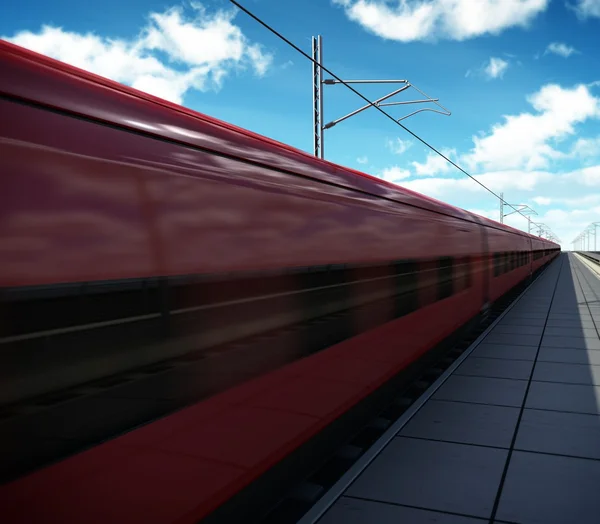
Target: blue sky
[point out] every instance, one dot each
(521, 77)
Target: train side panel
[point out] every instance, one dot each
(148, 215)
(176, 241)
(508, 257)
(111, 207)
(107, 206)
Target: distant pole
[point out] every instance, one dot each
(528, 225)
(502, 208)
(587, 234)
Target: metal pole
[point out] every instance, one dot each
(315, 99)
(320, 46)
(529, 225)
(502, 208)
(587, 235)
(319, 82)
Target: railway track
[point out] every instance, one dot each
(591, 260)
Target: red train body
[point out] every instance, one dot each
(144, 232)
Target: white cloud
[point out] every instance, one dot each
(435, 164)
(394, 174)
(410, 20)
(587, 8)
(200, 50)
(586, 148)
(496, 68)
(586, 200)
(562, 188)
(518, 181)
(588, 176)
(592, 199)
(573, 196)
(441, 188)
(362, 160)
(516, 157)
(560, 49)
(399, 146)
(490, 69)
(568, 223)
(514, 180)
(526, 141)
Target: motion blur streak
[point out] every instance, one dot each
(233, 294)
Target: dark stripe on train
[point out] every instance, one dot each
(215, 310)
(28, 310)
(68, 419)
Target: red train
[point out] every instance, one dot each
(193, 263)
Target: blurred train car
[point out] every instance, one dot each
(153, 258)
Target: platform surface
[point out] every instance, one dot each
(592, 254)
(513, 433)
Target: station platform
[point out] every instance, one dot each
(594, 255)
(509, 434)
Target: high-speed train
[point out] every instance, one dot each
(184, 304)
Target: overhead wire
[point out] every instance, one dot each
(373, 104)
